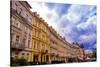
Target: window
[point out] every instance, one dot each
(36, 33)
(25, 28)
(17, 38)
(27, 53)
(23, 53)
(33, 32)
(12, 38)
(37, 44)
(37, 23)
(16, 4)
(27, 17)
(25, 34)
(27, 56)
(34, 44)
(29, 36)
(43, 36)
(28, 43)
(18, 24)
(39, 34)
(20, 10)
(24, 41)
(30, 19)
(13, 19)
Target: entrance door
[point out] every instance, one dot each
(47, 58)
(35, 60)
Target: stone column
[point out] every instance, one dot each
(39, 58)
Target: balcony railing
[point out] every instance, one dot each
(15, 12)
(17, 46)
(44, 51)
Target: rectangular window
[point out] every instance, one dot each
(12, 37)
(20, 10)
(24, 41)
(29, 36)
(28, 43)
(18, 24)
(33, 32)
(13, 19)
(23, 53)
(17, 38)
(26, 15)
(34, 44)
(30, 19)
(16, 4)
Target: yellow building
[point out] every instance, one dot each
(48, 46)
(40, 42)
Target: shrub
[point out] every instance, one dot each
(19, 62)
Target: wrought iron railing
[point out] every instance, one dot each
(17, 45)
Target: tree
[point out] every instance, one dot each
(19, 62)
(94, 54)
(22, 62)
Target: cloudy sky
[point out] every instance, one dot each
(77, 23)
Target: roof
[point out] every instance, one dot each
(28, 4)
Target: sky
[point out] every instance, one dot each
(74, 22)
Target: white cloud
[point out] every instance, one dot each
(88, 51)
(85, 25)
(71, 19)
(50, 16)
(87, 38)
(95, 46)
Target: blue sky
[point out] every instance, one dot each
(77, 23)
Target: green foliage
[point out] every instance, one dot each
(94, 54)
(19, 62)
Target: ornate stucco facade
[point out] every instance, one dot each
(41, 45)
(21, 30)
(48, 46)
(33, 39)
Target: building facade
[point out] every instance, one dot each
(21, 30)
(40, 39)
(58, 46)
(33, 39)
(76, 52)
(48, 46)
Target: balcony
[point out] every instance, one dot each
(24, 19)
(44, 51)
(17, 46)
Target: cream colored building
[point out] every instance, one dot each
(76, 52)
(60, 49)
(21, 30)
